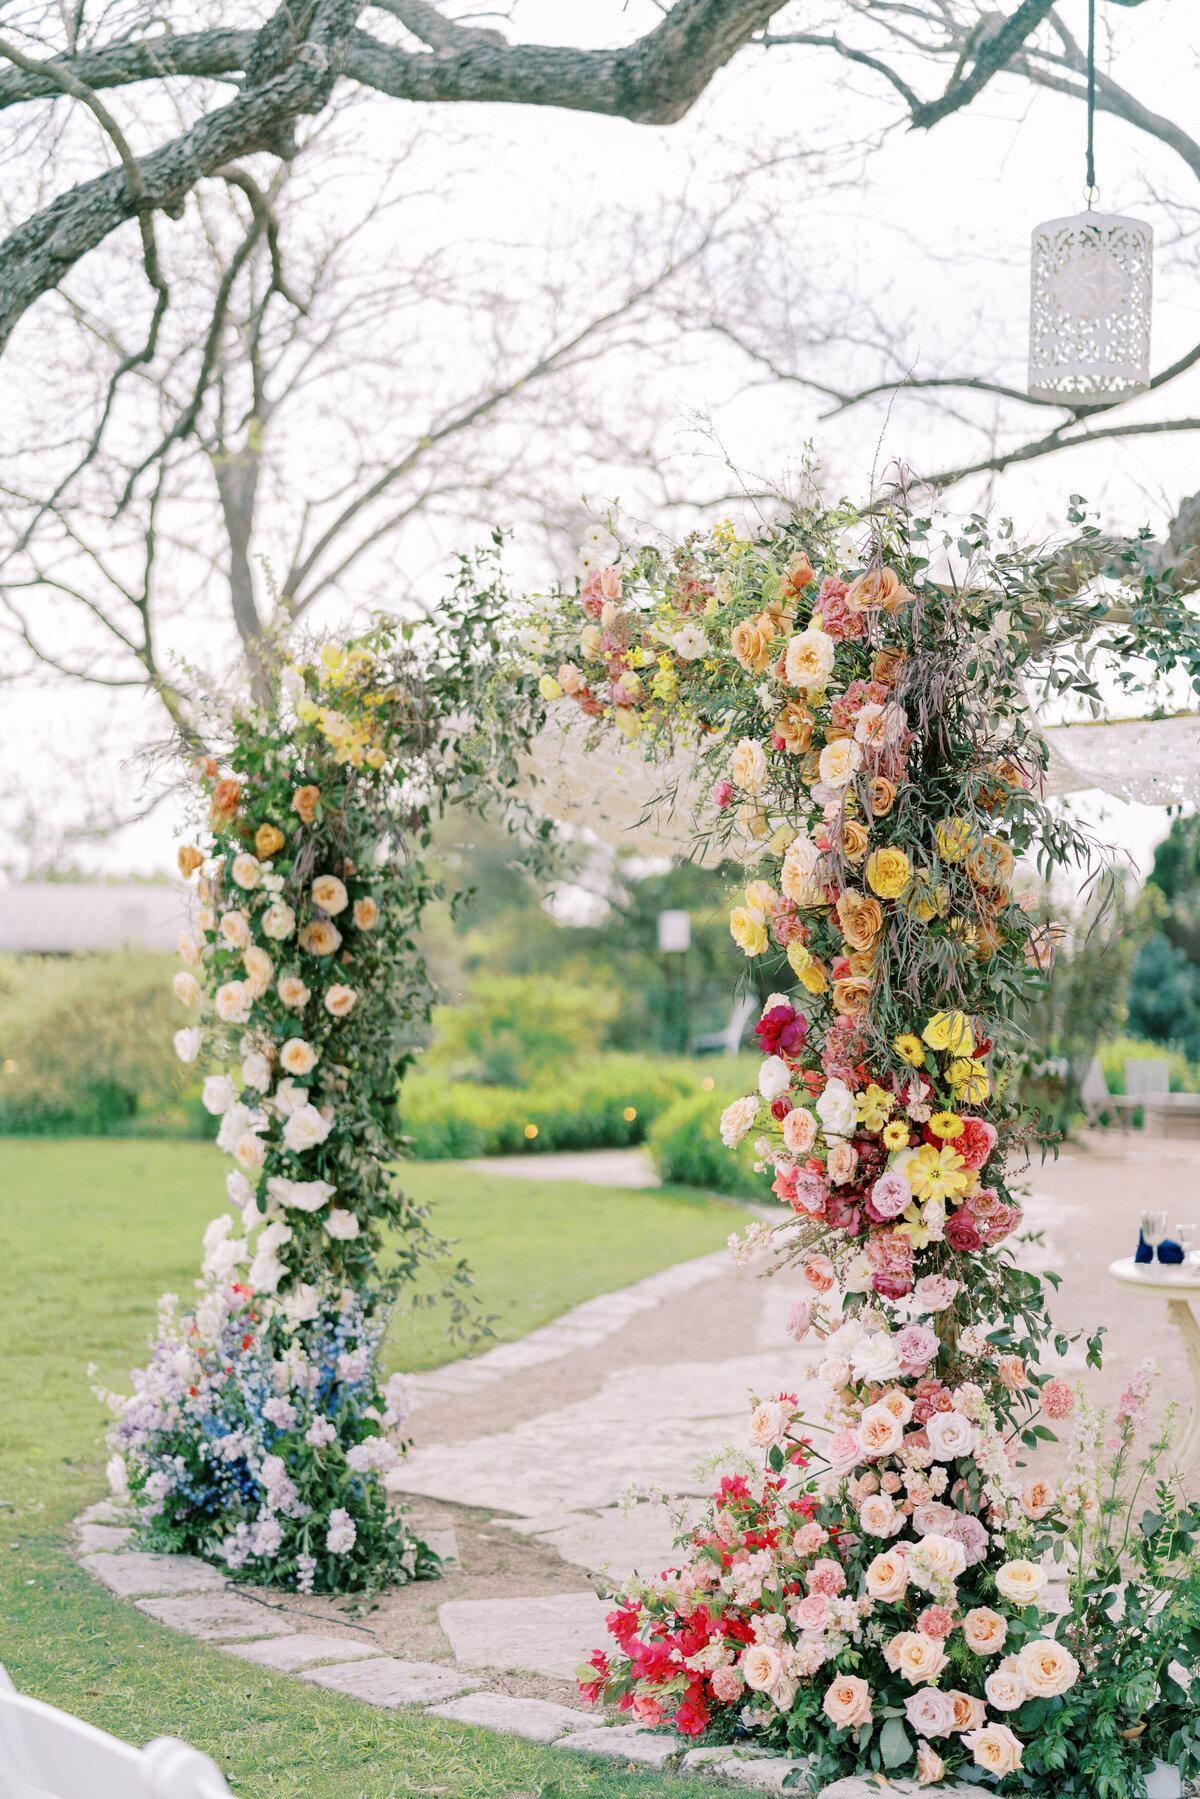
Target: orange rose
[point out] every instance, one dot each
(850, 996)
(991, 865)
(798, 576)
(224, 800)
(268, 839)
(855, 840)
(751, 642)
(862, 962)
(878, 588)
(882, 794)
(886, 666)
(304, 801)
(189, 860)
(795, 727)
(860, 919)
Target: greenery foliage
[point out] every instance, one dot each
(686, 1144)
(513, 1030)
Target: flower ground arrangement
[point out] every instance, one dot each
(874, 1594)
(260, 1432)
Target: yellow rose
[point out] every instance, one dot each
(888, 873)
(808, 659)
(761, 896)
(956, 838)
(549, 688)
(909, 1049)
(813, 977)
(748, 928)
(925, 901)
(799, 958)
(950, 1031)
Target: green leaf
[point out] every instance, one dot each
(894, 1743)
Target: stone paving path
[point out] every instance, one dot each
(548, 1432)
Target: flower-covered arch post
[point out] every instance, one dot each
(261, 1432)
(862, 739)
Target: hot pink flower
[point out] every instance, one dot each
(722, 794)
(962, 1234)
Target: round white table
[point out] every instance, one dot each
(1177, 1283)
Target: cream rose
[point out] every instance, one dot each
(878, 1517)
(235, 928)
(191, 948)
(799, 1131)
(875, 1358)
(1021, 1582)
(250, 1152)
(950, 1435)
(341, 1224)
(330, 894)
(305, 1196)
(847, 1701)
(737, 1119)
(293, 992)
(984, 1631)
(930, 1766)
(768, 1424)
(761, 1667)
(217, 1094)
(305, 1129)
(969, 1711)
(808, 659)
(1005, 1690)
(339, 1000)
(748, 768)
(278, 921)
(256, 1072)
(796, 878)
(840, 761)
(233, 1001)
(774, 1078)
(1046, 1668)
(995, 1748)
(1037, 1499)
(246, 872)
(187, 988)
(187, 1043)
(320, 938)
(297, 1056)
(259, 969)
(841, 1163)
(879, 1433)
(936, 1561)
(920, 1658)
(887, 1578)
(366, 914)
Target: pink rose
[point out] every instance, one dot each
(962, 1234)
(930, 1711)
(890, 1196)
(809, 1195)
(975, 1142)
(843, 1451)
(798, 1320)
(818, 1272)
(811, 1612)
(799, 1131)
(722, 795)
(916, 1345)
(934, 1292)
(1003, 1221)
(931, 1520)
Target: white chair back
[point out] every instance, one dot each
(1147, 1074)
(48, 1754)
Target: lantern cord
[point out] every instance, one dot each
(1091, 105)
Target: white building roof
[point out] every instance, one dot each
(58, 917)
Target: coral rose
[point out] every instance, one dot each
(320, 938)
(748, 766)
(994, 1748)
(847, 1702)
(267, 839)
(984, 1631)
(888, 873)
(887, 1578)
(818, 1272)
(189, 861)
(1021, 1582)
(304, 802)
(794, 727)
(1046, 1668)
(1010, 1372)
(878, 588)
(225, 800)
(859, 918)
(920, 1658)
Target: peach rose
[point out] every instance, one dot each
(751, 642)
(818, 1272)
(1037, 1500)
(297, 1056)
(843, 1160)
(259, 969)
(330, 894)
(882, 795)
(879, 588)
(304, 802)
(748, 766)
(930, 1766)
(995, 1748)
(224, 801)
(850, 996)
(339, 1000)
(839, 762)
(293, 992)
(189, 861)
(847, 1702)
(794, 727)
(233, 1001)
(855, 841)
(1010, 1371)
(235, 929)
(761, 1667)
(920, 1657)
(887, 1577)
(878, 1517)
(984, 1631)
(1021, 1582)
(768, 1424)
(366, 914)
(886, 666)
(799, 1131)
(860, 919)
(320, 938)
(879, 1431)
(1046, 1668)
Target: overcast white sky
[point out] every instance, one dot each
(936, 225)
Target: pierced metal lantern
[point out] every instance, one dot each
(1089, 308)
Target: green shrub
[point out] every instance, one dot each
(584, 1109)
(1115, 1053)
(516, 1030)
(85, 1044)
(687, 1148)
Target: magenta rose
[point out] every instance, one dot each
(892, 1286)
(962, 1233)
(842, 1214)
(781, 1031)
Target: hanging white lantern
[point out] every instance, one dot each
(1089, 308)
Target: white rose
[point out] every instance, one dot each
(240, 1192)
(808, 660)
(187, 988)
(1005, 1690)
(834, 1372)
(737, 1119)
(247, 871)
(874, 1358)
(305, 1128)
(748, 768)
(339, 1000)
(836, 1109)
(256, 1072)
(233, 1001)
(236, 1120)
(278, 921)
(187, 1043)
(341, 1224)
(288, 1097)
(250, 1151)
(774, 1078)
(858, 1275)
(217, 1094)
(936, 1562)
(1021, 1582)
(266, 1271)
(951, 1435)
(306, 1196)
(301, 1303)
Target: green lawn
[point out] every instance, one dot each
(94, 1231)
